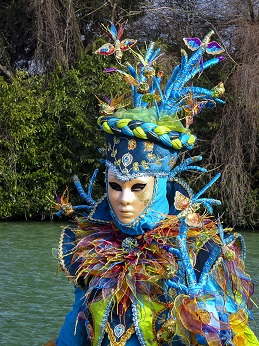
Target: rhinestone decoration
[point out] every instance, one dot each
(127, 159)
(119, 330)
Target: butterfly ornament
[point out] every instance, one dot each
(109, 106)
(195, 43)
(188, 206)
(62, 206)
(117, 47)
(187, 210)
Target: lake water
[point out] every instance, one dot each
(34, 301)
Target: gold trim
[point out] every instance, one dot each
(123, 339)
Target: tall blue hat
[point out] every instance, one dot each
(147, 139)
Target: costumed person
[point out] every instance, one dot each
(150, 263)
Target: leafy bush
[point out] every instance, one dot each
(49, 133)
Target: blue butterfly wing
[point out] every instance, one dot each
(214, 48)
(113, 31)
(192, 43)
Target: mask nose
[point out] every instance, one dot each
(125, 198)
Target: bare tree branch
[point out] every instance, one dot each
(8, 73)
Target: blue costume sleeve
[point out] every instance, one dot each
(73, 331)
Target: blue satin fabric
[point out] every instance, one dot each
(67, 335)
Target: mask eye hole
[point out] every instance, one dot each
(115, 186)
(138, 187)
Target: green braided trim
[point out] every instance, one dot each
(146, 131)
